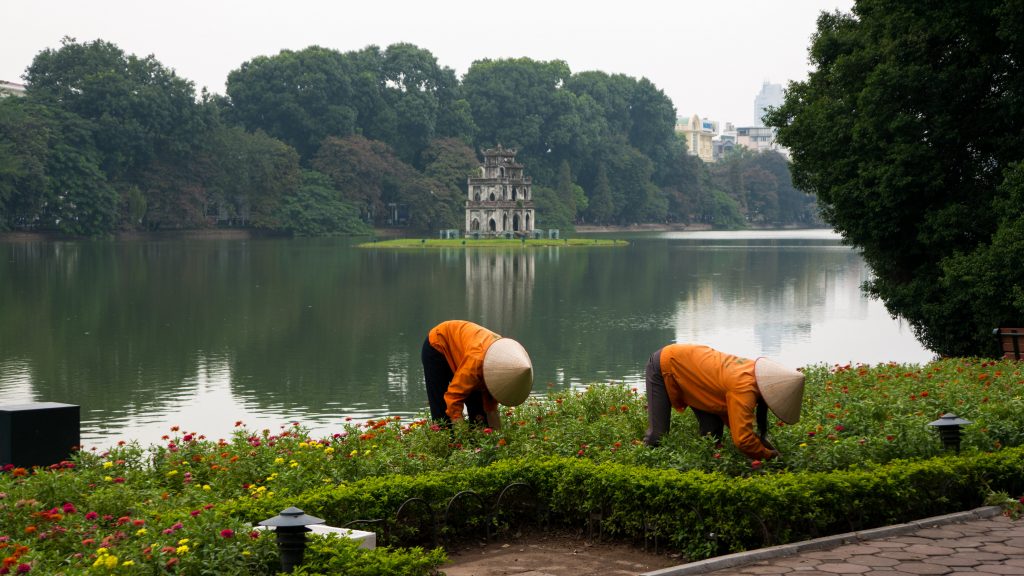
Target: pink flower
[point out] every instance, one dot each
(91, 516)
(227, 533)
(23, 568)
(488, 430)
(69, 508)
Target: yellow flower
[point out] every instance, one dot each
(294, 464)
(278, 460)
(803, 444)
(246, 553)
(303, 445)
(108, 479)
(128, 563)
(206, 487)
(140, 532)
(181, 549)
(108, 464)
(110, 562)
(353, 453)
(101, 551)
(329, 450)
(182, 541)
(172, 473)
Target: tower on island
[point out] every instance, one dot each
(500, 201)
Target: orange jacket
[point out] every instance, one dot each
(464, 345)
(718, 383)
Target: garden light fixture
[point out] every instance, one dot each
(290, 526)
(949, 430)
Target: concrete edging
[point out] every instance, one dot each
(823, 543)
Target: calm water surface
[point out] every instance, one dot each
(145, 335)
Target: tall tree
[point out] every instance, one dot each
(50, 176)
(518, 103)
(299, 97)
(908, 172)
(141, 110)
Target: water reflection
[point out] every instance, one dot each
(200, 334)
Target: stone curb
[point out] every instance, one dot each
(824, 543)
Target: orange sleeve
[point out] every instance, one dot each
(469, 377)
(742, 407)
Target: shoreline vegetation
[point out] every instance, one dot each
(381, 233)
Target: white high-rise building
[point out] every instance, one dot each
(770, 95)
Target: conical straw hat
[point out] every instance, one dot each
(782, 389)
(508, 372)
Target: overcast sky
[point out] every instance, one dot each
(710, 58)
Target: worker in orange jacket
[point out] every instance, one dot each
(467, 365)
(721, 389)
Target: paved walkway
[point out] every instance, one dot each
(981, 541)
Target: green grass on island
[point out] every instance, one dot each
(491, 242)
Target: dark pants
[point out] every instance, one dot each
(438, 375)
(659, 408)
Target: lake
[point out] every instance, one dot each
(149, 334)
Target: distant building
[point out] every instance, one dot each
(11, 89)
(759, 139)
(500, 202)
(698, 134)
(724, 142)
(770, 95)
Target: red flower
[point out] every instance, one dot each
(755, 464)
(227, 533)
(840, 427)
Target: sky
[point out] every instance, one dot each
(710, 58)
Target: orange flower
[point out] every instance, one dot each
(19, 472)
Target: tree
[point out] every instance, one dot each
(911, 174)
(519, 103)
(316, 209)
(372, 179)
(298, 97)
(140, 109)
(50, 176)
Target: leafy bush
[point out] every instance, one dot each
(862, 455)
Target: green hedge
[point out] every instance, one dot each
(700, 514)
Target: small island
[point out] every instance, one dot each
(491, 242)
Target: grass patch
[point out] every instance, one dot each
(492, 242)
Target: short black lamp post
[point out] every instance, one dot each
(290, 526)
(949, 430)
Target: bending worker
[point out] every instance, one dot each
(465, 364)
(721, 389)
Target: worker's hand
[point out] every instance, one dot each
(773, 453)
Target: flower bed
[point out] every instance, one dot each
(861, 456)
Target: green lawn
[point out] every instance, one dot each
(491, 242)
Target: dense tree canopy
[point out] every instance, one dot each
(107, 141)
(907, 131)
